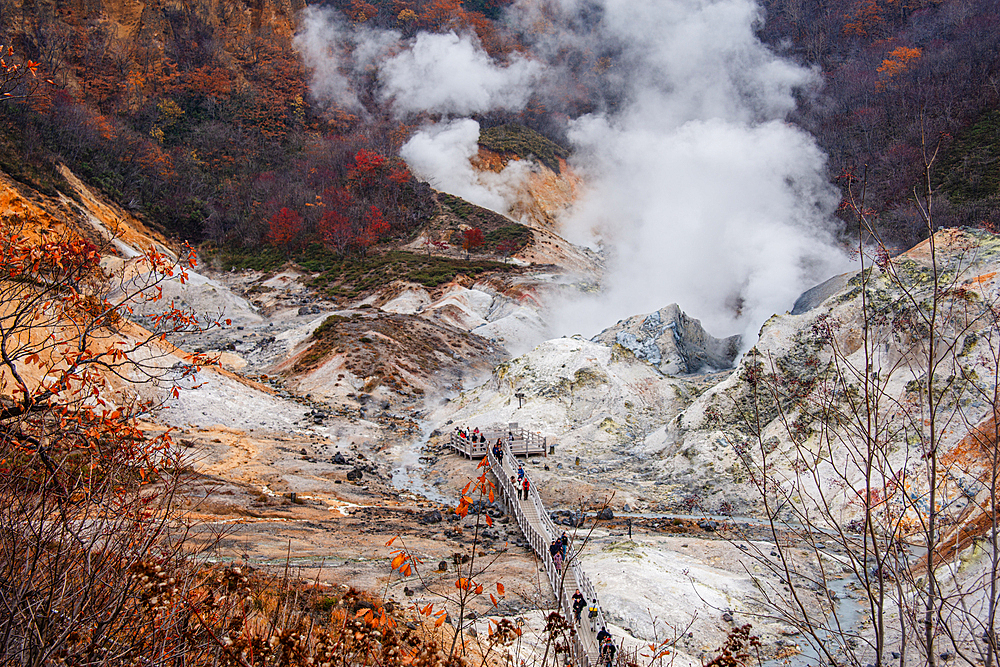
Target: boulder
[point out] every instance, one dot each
(672, 342)
(355, 475)
(434, 516)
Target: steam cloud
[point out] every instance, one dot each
(322, 40)
(700, 190)
(705, 195)
(450, 75)
(442, 156)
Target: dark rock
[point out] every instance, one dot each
(443, 566)
(817, 295)
(707, 525)
(727, 617)
(407, 592)
(606, 514)
(434, 516)
(355, 475)
(338, 459)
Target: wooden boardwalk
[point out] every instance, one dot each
(540, 531)
(522, 442)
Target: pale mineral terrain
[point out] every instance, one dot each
(322, 432)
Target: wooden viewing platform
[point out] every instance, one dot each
(540, 531)
(521, 442)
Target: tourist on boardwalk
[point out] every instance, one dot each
(608, 652)
(555, 550)
(603, 634)
(564, 544)
(520, 472)
(525, 486)
(578, 604)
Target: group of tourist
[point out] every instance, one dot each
(472, 436)
(558, 550)
(520, 483)
(604, 640)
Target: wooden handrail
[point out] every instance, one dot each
(540, 538)
(521, 442)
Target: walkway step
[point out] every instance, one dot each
(531, 512)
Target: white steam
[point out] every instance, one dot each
(442, 155)
(322, 40)
(450, 74)
(702, 192)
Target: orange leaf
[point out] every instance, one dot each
(406, 570)
(482, 463)
(437, 623)
(479, 589)
(499, 588)
(389, 543)
(398, 560)
(465, 489)
(493, 600)
(489, 521)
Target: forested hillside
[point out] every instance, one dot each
(903, 78)
(198, 116)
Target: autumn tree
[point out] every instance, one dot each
(86, 494)
(18, 77)
(507, 247)
(284, 228)
(472, 238)
(335, 230)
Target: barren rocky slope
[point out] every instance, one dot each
(328, 440)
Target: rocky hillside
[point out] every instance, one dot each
(695, 441)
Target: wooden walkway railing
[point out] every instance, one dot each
(522, 442)
(540, 531)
